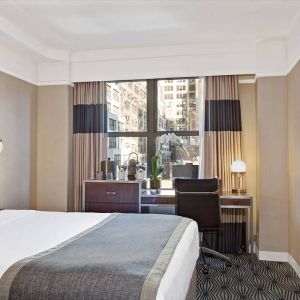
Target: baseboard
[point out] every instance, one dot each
(294, 264)
(273, 256)
(256, 250)
(278, 256)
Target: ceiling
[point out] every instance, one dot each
(73, 25)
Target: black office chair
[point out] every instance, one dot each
(199, 199)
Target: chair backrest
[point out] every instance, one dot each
(199, 199)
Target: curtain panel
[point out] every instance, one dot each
(222, 146)
(89, 133)
(223, 128)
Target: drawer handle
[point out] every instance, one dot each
(111, 193)
(235, 202)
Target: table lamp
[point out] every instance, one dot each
(239, 168)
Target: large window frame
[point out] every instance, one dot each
(152, 133)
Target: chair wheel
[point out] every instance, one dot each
(205, 271)
(228, 264)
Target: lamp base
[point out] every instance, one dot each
(239, 191)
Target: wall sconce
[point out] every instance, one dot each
(1, 145)
(239, 169)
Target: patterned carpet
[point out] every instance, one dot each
(247, 279)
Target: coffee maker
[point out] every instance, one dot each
(108, 169)
(132, 163)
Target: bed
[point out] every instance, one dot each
(29, 238)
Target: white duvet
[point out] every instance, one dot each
(26, 232)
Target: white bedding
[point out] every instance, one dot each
(26, 232)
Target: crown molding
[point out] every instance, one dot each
(31, 42)
(47, 83)
(247, 81)
(265, 58)
(293, 64)
(275, 74)
(18, 75)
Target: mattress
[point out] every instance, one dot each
(25, 233)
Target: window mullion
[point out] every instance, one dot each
(151, 120)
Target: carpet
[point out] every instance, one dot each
(248, 278)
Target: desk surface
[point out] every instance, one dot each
(171, 193)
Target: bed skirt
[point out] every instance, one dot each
(192, 291)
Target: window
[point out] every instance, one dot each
(168, 88)
(190, 154)
(144, 110)
(112, 143)
(184, 115)
(112, 124)
(180, 87)
(121, 147)
(117, 159)
(129, 105)
(168, 96)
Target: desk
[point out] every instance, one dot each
(166, 198)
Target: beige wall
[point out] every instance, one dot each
(277, 116)
(294, 161)
(248, 111)
(18, 131)
(272, 122)
(54, 148)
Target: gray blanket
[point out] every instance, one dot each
(122, 257)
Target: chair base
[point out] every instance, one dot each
(215, 254)
(206, 251)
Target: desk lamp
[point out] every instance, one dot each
(239, 168)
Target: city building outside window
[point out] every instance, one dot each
(112, 124)
(141, 111)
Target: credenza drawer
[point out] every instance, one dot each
(157, 200)
(95, 192)
(101, 196)
(111, 192)
(102, 207)
(111, 207)
(237, 202)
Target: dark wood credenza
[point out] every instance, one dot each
(106, 196)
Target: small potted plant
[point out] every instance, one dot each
(156, 171)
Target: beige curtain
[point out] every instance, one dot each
(223, 128)
(89, 133)
(223, 145)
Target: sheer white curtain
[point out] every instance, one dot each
(201, 126)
